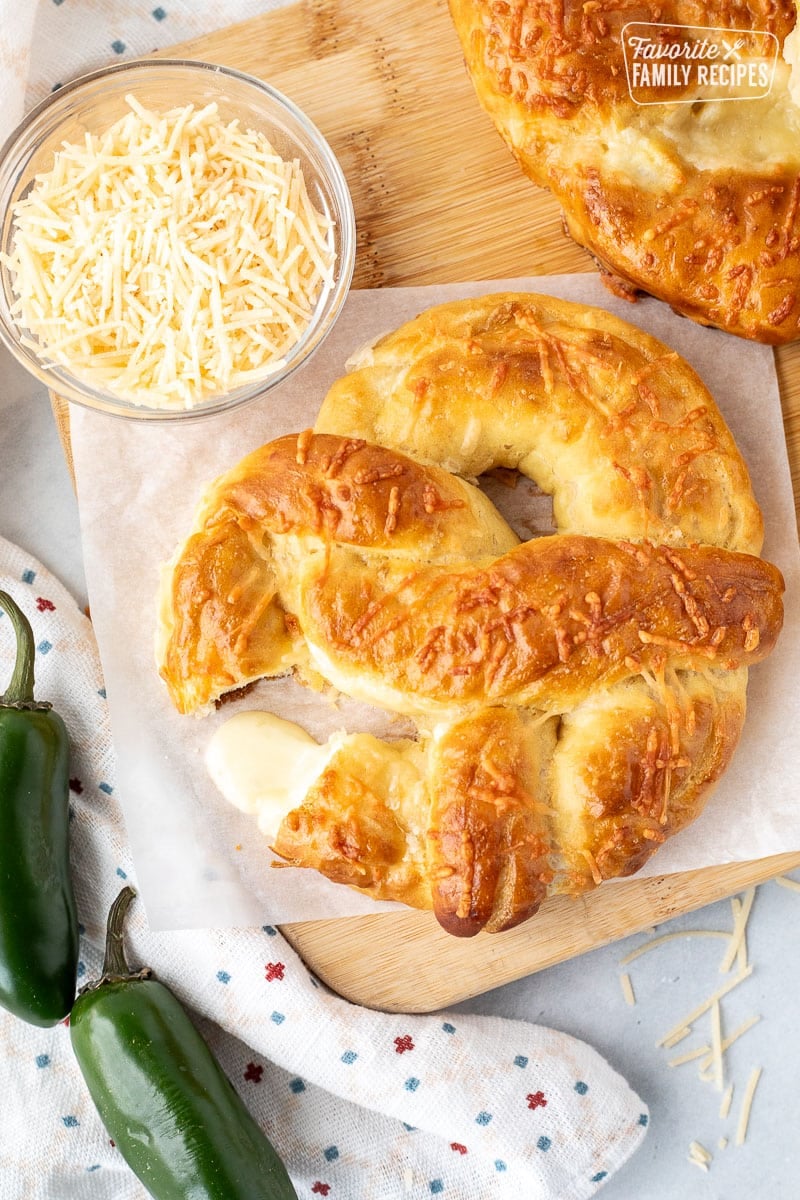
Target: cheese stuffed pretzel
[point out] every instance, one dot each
(689, 192)
(576, 695)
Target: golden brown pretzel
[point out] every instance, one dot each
(576, 695)
(696, 203)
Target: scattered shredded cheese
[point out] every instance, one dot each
(741, 914)
(676, 1037)
(728, 1041)
(689, 1056)
(786, 882)
(741, 953)
(747, 1104)
(627, 989)
(669, 937)
(716, 1045)
(706, 1005)
(712, 1061)
(172, 258)
(699, 1155)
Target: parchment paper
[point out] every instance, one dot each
(201, 863)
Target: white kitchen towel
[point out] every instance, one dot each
(360, 1105)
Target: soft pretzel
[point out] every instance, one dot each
(576, 695)
(696, 203)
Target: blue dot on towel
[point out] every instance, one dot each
(520, 1061)
(483, 1118)
(297, 1086)
(349, 1057)
(581, 1088)
(331, 1154)
(411, 1084)
(544, 1143)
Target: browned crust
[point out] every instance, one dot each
(548, 623)
(724, 246)
(490, 839)
(611, 421)
(223, 622)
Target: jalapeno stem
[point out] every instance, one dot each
(114, 962)
(20, 689)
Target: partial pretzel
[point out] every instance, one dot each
(695, 200)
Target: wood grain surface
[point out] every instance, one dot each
(438, 198)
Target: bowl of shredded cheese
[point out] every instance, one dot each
(175, 239)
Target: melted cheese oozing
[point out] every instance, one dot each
(265, 765)
(172, 258)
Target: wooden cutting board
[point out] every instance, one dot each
(438, 198)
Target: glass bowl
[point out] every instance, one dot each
(92, 104)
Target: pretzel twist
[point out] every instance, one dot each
(577, 695)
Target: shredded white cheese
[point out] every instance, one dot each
(741, 913)
(627, 989)
(706, 1005)
(676, 1037)
(716, 1045)
(725, 1106)
(747, 1104)
(689, 1056)
(727, 1042)
(792, 884)
(172, 258)
(699, 1155)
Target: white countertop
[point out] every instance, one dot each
(38, 511)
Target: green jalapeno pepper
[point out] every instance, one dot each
(163, 1097)
(38, 921)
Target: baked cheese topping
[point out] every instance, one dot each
(175, 257)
